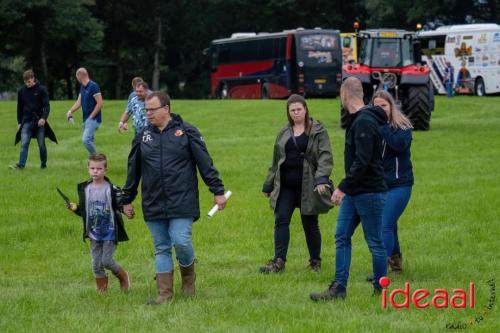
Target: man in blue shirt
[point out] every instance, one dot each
(90, 99)
(135, 109)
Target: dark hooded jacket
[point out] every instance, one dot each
(117, 206)
(166, 161)
(33, 105)
(364, 169)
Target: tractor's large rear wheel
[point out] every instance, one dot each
(418, 107)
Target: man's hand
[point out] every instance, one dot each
(122, 126)
(72, 206)
(320, 188)
(69, 114)
(220, 201)
(267, 195)
(128, 210)
(41, 122)
(337, 197)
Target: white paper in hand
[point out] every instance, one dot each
(215, 208)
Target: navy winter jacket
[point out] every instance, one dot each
(165, 164)
(398, 169)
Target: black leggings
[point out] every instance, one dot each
(288, 200)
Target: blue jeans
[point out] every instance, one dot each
(369, 208)
(89, 128)
(25, 143)
(395, 204)
(449, 88)
(175, 233)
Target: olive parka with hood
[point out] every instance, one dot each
(318, 165)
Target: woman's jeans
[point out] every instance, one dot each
(368, 207)
(288, 200)
(26, 132)
(395, 204)
(89, 128)
(168, 233)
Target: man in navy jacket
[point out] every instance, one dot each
(164, 158)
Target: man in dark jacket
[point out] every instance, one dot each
(361, 194)
(165, 155)
(32, 112)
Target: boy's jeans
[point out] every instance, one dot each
(368, 207)
(168, 233)
(89, 128)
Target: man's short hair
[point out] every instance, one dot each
(98, 157)
(136, 80)
(353, 87)
(29, 74)
(82, 72)
(162, 97)
(142, 84)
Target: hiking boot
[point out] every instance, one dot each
(165, 285)
(396, 263)
(124, 279)
(370, 278)
(334, 291)
(43, 166)
(101, 284)
(315, 265)
(16, 166)
(377, 291)
(188, 278)
(273, 266)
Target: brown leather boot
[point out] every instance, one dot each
(124, 279)
(188, 278)
(396, 263)
(273, 266)
(165, 285)
(101, 284)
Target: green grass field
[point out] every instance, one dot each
(449, 232)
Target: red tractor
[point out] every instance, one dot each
(391, 60)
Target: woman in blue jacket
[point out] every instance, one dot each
(398, 174)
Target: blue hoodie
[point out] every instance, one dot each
(396, 154)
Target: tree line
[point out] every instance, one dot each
(163, 41)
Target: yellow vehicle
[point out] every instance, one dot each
(349, 47)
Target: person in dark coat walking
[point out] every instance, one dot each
(361, 193)
(32, 112)
(164, 158)
(398, 174)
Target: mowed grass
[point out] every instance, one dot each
(449, 232)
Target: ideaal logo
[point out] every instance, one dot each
(421, 298)
(460, 298)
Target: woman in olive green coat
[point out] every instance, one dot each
(299, 178)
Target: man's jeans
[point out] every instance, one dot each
(368, 207)
(25, 143)
(175, 233)
(89, 128)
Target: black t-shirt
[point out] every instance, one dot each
(292, 168)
